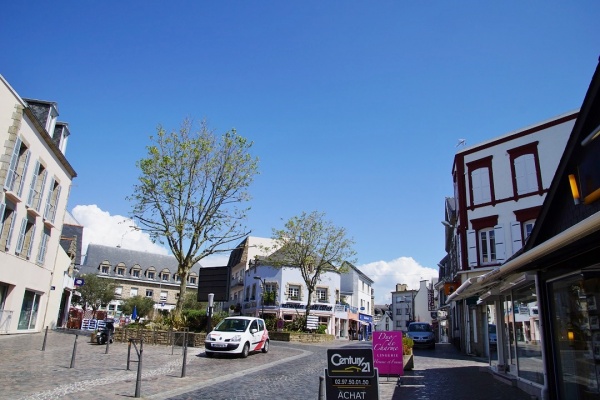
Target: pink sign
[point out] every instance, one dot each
(387, 352)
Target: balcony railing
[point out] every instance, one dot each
(5, 319)
(237, 282)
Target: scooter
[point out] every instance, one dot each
(105, 333)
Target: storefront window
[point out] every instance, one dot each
(508, 335)
(576, 335)
(492, 335)
(527, 334)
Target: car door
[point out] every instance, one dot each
(256, 334)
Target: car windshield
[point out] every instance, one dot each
(419, 328)
(232, 325)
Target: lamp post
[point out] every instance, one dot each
(211, 298)
(262, 302)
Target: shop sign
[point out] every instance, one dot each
(351, 374)
(387, 352)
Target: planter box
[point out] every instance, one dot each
(408, 361)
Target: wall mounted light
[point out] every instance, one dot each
(574, 188)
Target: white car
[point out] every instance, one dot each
(237, 335)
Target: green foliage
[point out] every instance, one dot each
(269, 298)
(407, 345)
(190, 302)
(143, 305)
(314, 245)
(321, 329)
(95, 292)
(191, 193)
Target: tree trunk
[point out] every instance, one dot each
(308, 305)
(182, 288)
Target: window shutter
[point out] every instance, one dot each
(43, 244)
(21, 240)
(38, 201)
(10, 230)
(472, 247)
(515, 231)
(500, 247)
(33, 184)
(53, 217)
(31, 237)
(49, 199)
(2, 208)
(23, 176)
(12, 167)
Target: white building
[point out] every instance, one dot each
(499, 188)
(403, 307)
(357, 292)
(36, 180)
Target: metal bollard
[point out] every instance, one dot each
(74, 352)
(185, 339)
(45, 336)
(107, 343)
(138, 381)
(128, 354)
(321, 380)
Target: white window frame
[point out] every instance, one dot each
(133, 292)
(294, 292)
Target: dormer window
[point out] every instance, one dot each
(121, 271)
(192, 280)
(165, 277)
(150, 274)
(135, 273)
(104, 269)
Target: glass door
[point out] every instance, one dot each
(29, 310)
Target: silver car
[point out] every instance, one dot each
(422, 334)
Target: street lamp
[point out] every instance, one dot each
(211, 299)
(262, 302)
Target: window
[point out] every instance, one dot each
(177, 278)
(25, 240)
(43, 245)
(163, 296)
(247, 293)
(398, 311)
(104, 269)
(36, 188)
(527, 228)
(294, 292)
(149, 293)
(118, 290)
(150, 274)
(52, 200)
(253, 297)
(29, 310)
(121, 271)
(271, 287)
(525, 169)
(480, 181)
(487, 246)
(133, 292)
(17, 168)
(399, 324)
(192, 280)
(322, 296)
(165, 277)
(135, 273)
(7, 212)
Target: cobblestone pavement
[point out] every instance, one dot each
(288, 371)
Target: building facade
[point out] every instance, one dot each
(138, 273)
(546, 297)
(499, 188)
(36, 180)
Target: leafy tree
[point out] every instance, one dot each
(191, 193)
(314, 245)
(191, 302)
(95, 292)
(143, 305)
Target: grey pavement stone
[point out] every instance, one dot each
(289, 371)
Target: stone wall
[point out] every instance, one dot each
(299, 337)
(155, 336)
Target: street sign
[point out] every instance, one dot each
(351, 374)
(312, 322)
(79, 281)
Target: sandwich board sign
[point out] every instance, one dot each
(351, 374)
(387, 351)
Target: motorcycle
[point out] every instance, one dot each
(105, 333)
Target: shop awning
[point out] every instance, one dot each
(477, 285)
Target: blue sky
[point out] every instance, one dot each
(355, 107)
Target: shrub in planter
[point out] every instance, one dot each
(407, 346)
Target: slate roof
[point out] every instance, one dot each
(97, 254)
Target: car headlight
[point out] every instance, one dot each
(236, 338)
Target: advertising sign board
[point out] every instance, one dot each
(387, 352)
(350, 374)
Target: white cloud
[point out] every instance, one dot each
(112, 230)
(386, 274)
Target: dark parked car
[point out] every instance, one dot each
(493, 337)
(422, 334)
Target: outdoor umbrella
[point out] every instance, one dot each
(134, 313)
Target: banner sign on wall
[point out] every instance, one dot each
(387, 352)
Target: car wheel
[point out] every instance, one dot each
(209, 354)
(245, 350)
(265, 348)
